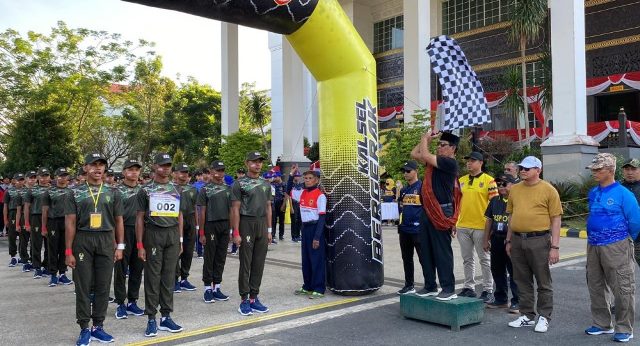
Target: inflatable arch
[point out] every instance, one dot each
(331, 48)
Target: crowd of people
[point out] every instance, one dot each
(112, 230)
(512, 223)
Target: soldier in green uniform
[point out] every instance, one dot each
(159, 243)
(33, 220)
(93, 212)
(251, 224)
(24, 236)
(190, 226)
(129, 191)
(11, 212)
(53, 227)
(214, 200)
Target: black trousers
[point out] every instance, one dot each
(437, 255)
(500, 266)
(12, 233)
(24, 238)
(409, 242)
(55, 242)
(36, 241)
(129, 260)
(183, 266)
(215, 251)
(277, 216)
(296, 219)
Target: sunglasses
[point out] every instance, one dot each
(443, 144)
(406, 171)
(526, 169)
(501, 184)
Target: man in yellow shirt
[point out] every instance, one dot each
(533, 242)
(477, 189)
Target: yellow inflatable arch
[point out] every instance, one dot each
(331, 48)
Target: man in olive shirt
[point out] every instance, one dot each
(214, 200)
(33, 220)
(129, 191)
(533, 242)
(53, 227)
(188, 195)
(24, 235)
(11, 212)
(250, 221)
(159, 243)
(93, 212)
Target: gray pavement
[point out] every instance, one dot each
(33, 313)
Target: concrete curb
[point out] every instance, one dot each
(573, 233)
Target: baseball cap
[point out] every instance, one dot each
(241, 170)
(602, 160)
(61, 171)
(109, 171)
(93, 157)
(43, 171)
(267, 175)
(530, 162)
(297, 174)
(506, 178)
(254, 155)
(18, 176)
(130, 163)
(80, 171)
(217, 165)
(410, 165)
(315, 172)
(631, 162)
(474, 155)
(162, 159)
(181, 167)
(30, 174)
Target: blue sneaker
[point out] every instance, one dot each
(152, 328)
(98, 334)
(186, 285)
(37, 274)
(133, 309)
(121, 312)
(13, 262)
(176, 287)
(593, 330)
(245, 308)
(167, 324)
(85, 337)
(45, 272)
(258, 307)
(53, 282)
(218, 295)
(64, 280)
(26, 268)
(622, 337)
(208, 296)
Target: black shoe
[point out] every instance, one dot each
(467, 292)
(426, 293)
(281, 238)
(407, 290)
(446, 296)
(487, 297)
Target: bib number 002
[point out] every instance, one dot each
(164, 205)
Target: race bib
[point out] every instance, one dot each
(164, 205)
(95, 221)
(500, 226)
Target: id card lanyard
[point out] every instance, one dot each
(95, 221)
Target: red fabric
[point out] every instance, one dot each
(432, 206)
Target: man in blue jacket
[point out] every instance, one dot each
(614, 221)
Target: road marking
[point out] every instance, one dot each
(572, 255)
(219, 327)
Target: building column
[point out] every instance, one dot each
(230, 85)
(310, 107)
(417, 68)
(569, 149)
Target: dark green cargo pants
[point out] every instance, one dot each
(215, 251)
(183, 266)
(129, 261)
(94, 264)
(253, 252)
(37, 241)
(162, 246)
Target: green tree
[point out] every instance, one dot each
(235, 148)
(110, 139)
(256, 109)
(527, 17)
(512, 79)
(40, 139)
(401, 141)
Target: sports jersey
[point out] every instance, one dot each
(614, 215)
(476, 193)
(410, 208)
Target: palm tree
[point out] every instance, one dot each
(512, 79)
(527, 17)
(546, 89)
(257, 108)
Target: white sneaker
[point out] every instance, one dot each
(542, 325)
(522, 321)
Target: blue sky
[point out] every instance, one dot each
(189, 45)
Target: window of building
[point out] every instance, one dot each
(463, 15)
(388, 34)
(535, 74)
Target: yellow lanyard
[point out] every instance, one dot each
(95, 199)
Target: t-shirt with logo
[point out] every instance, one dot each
(188, 198)
(82, 202)
(34, 198)
(388, 195)
(129, 203)
(313, 203)
(497, 213)
(13, 198)
(54, 198)
(161, 204)
(253, 193)
(476, 193)
(410, 208)
(217, 199)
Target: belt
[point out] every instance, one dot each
(525, 235)
(499, 235)
(310, 222)
(446, 205)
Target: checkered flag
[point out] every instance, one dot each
(463, 96)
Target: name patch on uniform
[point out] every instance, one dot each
(95, 221)
(164, 205)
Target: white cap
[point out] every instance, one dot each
(531, 162)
